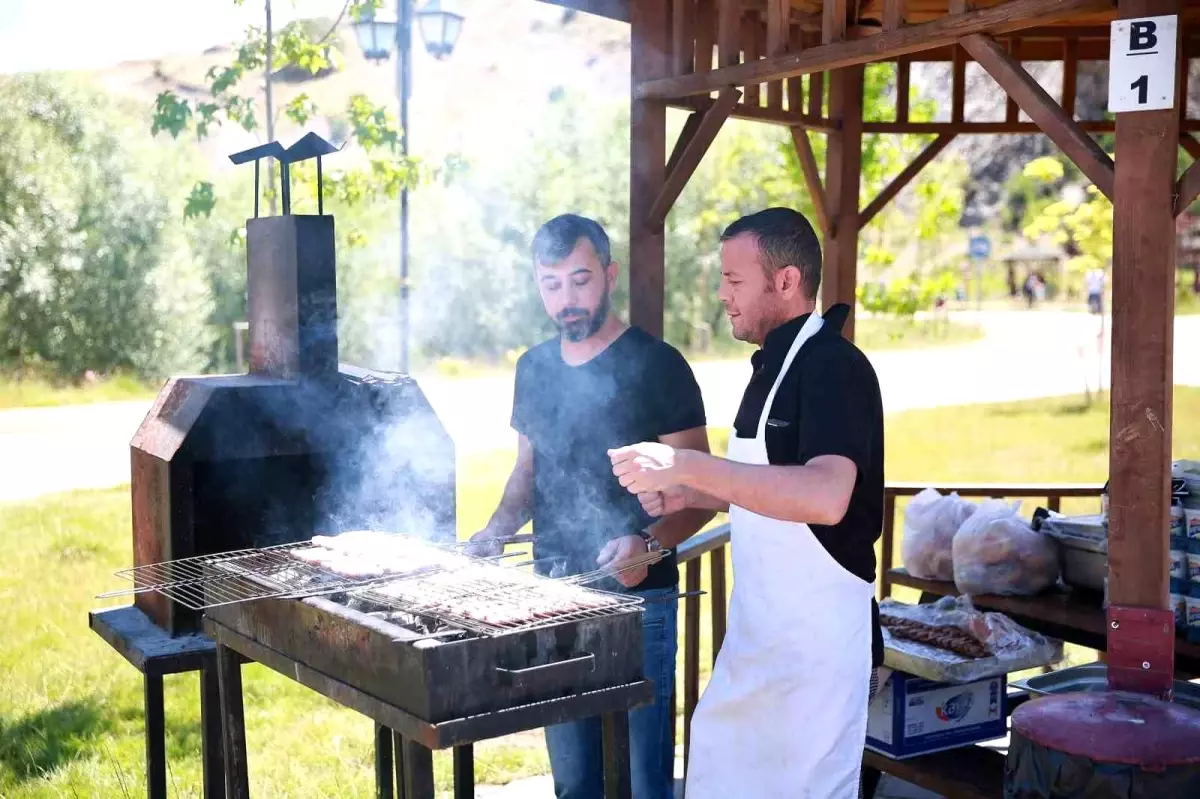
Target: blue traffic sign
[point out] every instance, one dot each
(980, 247)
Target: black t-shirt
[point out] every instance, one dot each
(638, 389)
(827, 404)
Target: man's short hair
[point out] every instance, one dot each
(785, 238)
(558, 238)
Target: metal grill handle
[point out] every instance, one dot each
(562, 669)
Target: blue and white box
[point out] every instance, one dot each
(912, 716)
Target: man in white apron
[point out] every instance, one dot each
(785, 712)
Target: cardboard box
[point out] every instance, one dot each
(912, 716)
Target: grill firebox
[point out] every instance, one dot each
(297, 447)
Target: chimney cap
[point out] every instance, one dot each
(268, 150)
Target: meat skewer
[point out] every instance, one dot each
(952, 639)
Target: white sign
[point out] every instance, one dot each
(1141, 65)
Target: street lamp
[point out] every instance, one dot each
(378, 35)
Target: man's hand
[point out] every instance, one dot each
(663, 503)
(646, 467)
(621, 550)
(484, 544)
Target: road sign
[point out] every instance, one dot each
(1141, 64)
(980, 247)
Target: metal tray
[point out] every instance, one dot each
(1094, 677)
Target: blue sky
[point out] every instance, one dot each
(87, 34)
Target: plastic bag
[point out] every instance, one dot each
(997, 552)
(930, 522)
(1013, 647)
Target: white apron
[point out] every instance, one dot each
(785, 713)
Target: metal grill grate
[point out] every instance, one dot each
(493, 600)
(206, 581)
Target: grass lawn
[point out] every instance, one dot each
(38, 392)
(70, 711)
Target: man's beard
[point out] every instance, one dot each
(586, 325)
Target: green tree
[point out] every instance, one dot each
(299, 46)
(91, 274)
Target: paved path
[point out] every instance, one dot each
(1022, 356)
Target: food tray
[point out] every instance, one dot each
(1091, 678)
(1014, 647)
(923, 660)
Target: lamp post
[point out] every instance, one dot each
(378, 36)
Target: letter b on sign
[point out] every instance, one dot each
(1143, 35)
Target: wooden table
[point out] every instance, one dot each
(154, 653)
(1073, 616)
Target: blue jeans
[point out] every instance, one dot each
(576, 748)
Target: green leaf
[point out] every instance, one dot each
(170, 114)
(200, 202)
(373, 126)
(301, 109)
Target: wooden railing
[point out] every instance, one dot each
(712, 545)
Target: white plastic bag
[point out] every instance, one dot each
(930, 522)
(997, 552)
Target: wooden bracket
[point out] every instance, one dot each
(812, 179)
(683, 161)
(1187, 188)
(1190, 143)
(1043, 110)
(904, 178)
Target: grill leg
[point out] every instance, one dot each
(418, 770)
(233, 733)
(210, 732)
(383, 762)
(464, 772)
(616, 756)
(398, 746)
(156, 733)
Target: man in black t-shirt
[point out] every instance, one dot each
(785, 711)
(599, 385)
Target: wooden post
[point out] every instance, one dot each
(650, 34)
(843, 168)
(1142, 327)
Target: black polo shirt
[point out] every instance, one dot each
(827, 404)
(638, 389)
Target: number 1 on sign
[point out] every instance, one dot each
(1142, 85)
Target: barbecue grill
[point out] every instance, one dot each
(233, 477)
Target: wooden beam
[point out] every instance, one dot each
(1042, 109)
(1070, 75)
(1007, 17)
(1143, 290)
(777, 44)
(650, 47)
(903, 89)
(1190, 143)
(683, 35)
(903, 179)
(958, 86)
(812, 179)
(690, 126)
(706, 40)
(833, 21)
(729, 29)
(769, 115)
(893, 14)
(750, 26)
(690, 156)
(816, 94)
(1011, 111)
(795, 86)
(1187, 188)
(988, 128)
(843, 170)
